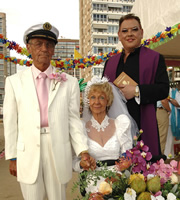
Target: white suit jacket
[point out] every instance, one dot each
(22, 125)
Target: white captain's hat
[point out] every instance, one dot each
(45, 30)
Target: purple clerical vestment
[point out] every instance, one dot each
(148, 63)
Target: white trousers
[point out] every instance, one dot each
(47, 185)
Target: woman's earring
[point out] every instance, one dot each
(107, 109)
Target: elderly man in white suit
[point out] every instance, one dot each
(39, 141)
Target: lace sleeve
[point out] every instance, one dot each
(123, 131)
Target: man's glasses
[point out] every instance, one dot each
(39, 44)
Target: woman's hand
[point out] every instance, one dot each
(87, 162)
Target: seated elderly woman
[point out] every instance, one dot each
(108, 138)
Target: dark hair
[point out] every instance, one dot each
(129, 16)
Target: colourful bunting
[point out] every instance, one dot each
(89, 61)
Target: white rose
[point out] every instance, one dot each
(174, 179)
(171, 196)
(130, 194)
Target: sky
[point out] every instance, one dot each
(21, 14)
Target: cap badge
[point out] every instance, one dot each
(47, 26)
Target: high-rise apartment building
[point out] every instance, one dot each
(65, 50)
(3, 64)
(99, 24)
(6, 68)
(99, 20)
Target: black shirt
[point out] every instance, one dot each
(149, 93)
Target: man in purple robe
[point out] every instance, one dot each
(147, 68)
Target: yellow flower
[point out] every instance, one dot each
(140, 131)
(105, 188)
(170, 155)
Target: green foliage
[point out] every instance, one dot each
(119, 185)
(169, 187)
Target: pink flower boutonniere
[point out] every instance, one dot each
(57, 77)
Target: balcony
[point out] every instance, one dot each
(101, 11)
(104, 34)
(114, 1)
(99, 44)
(101, 22)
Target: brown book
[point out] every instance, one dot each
(124, 79)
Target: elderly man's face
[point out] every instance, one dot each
(130, 34)
(41, 51)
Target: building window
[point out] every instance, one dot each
(100, 50)
(98, 71)
(1, 72)
(98, 30)
(100, 40)
(1, 91)
(98, 17)
(1, 84)
(95, 50)
(112, 29)
(113, 20)
(113, 40)
(127, 8)
(99, 7)
(113, 9)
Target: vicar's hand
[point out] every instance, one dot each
(12, 167)
(87, 162)
(128, 91)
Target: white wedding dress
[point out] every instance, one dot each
(118, 143)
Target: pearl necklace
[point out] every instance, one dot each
(101, 126)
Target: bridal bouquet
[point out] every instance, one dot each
(133, 177)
